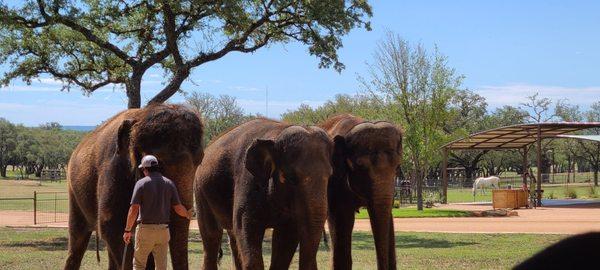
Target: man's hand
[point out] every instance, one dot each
(127, 237)
(182, 211)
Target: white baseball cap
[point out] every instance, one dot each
(148, 161)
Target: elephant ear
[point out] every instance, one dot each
(260, 160)
(123, 136)
(339, 156)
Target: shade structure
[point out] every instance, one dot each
(517, 136)
(593, 138)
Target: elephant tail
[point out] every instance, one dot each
(97, 247)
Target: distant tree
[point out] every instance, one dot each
(8, 144)
(51, 126)
(539, 109)
(358, 105)
(218, 113)
(587, 151)
(92, 44)
(468, 112)
(421, 86)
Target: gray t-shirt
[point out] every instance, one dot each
(156, 195)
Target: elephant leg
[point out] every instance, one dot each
(237, 260)
(249, 235)
(211, 233)
(341, 223)
(285, 242)
(79, 237)
(113, 238)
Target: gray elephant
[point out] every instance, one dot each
(264, 174)
(103, 170)
(364, 172)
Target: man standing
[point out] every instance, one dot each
(153, 197)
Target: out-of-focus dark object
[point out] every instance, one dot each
(576, 252)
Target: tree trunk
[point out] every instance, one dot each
(3, 170)
(133, 88)
(596, 175)
(417, 176)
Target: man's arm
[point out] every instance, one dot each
(134, 209)
(181, 211)
(176, 203)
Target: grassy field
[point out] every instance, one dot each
(411, 212)
(25, 188)
(46, 249)
(550, 192)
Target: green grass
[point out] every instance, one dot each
(411, 212)
(559, 192)
(46, 249)
(24, 189)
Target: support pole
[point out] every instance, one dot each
(34, 207)
(445, 177)
(539, 167)
(525, 166)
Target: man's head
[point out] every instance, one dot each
(149, 164)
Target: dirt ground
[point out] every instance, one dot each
(565, 219)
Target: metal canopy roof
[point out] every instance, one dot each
(517, 136)
(594, 138)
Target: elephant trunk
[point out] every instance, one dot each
(179, 229)
(383, 231)
(179, 226)
(310, 225)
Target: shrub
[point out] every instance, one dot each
(570, 193)
(592, 192)
(550, 195)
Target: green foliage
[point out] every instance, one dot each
(218, 114)
(550, 195)
(94, 43)
(592, 192)
(31, 150)
(570, 193)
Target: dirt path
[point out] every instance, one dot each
(548, 220)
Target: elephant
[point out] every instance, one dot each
(102, 172)
(264, 174)
(364, 172)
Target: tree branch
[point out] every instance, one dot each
(87, 33)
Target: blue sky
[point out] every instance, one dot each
(506, 49)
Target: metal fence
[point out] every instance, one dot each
(40, 208)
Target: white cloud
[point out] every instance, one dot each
(515, 94)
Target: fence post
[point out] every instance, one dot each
(34, 207)
(55, 207)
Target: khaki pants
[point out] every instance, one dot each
(151, 238)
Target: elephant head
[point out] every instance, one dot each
(294, 168)
(173, 134)
(369, 158)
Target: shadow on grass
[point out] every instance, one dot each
(53, 244)
(363, 241)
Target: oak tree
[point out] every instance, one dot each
(91, 44)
